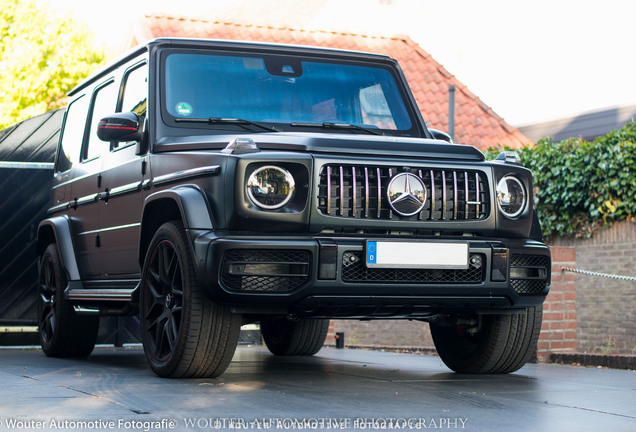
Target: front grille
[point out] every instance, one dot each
(359, 191)
(265, 270)
(528, 286)
(529, 274)
(354, 269)
(539, 261)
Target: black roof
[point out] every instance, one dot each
(220, 44)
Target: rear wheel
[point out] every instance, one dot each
(183, 332)
(304, 337)
(490, 343)
(62, 332)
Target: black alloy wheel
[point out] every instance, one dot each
(62, 332)
(184, 333)
(163, 317)
(47, 300)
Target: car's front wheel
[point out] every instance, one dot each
(184, 333)
(494, 344)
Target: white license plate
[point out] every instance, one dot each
(425, 255)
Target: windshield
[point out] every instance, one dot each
(283, 90)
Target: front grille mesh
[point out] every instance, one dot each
(359, 192)
(355, 270)
(538, 269)
(528, 286)
(539, 261)
(265, 270)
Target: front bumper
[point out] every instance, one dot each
(326, 276)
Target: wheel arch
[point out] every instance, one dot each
(58, 230)
(185, 203)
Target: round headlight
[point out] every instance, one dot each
(511, 196)
(270, 187)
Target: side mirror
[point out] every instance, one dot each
(439, 135)
(120, 127)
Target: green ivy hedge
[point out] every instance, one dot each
(581, 186)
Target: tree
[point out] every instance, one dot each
(42, 57)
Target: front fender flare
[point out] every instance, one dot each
(58, 228)
(187, 203)
(192, 203)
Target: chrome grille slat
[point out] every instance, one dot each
(341, 205)
(353, 192)
(455, 195)
(419, 215)
(443, 194)
(379, 187)
(366, 192)
(477, 196)
(432, 173)
(390, 176)
(354, 206)
(466, 198)
(328, 190)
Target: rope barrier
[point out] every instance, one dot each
(606, 275)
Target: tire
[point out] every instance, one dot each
(503, 344)
(62, 332)
(294, 338)
(184, 334)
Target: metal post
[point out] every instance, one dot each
(451, 111)
(340, 340)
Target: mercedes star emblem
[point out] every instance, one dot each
(406, 194)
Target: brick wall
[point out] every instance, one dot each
(388, 333)
(558, 331)
(606, 313)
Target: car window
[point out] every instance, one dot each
(73, 134)
(104, 103)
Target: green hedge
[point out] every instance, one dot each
(581, 186)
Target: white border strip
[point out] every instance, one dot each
(26, 165)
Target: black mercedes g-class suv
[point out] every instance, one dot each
(208, 184)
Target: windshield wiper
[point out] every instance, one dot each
(227, 121)
(329, 125)
(219, 120)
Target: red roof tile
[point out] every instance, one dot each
(475, 123)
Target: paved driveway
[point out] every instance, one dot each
(335, 390)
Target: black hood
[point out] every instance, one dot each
(319, 143)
